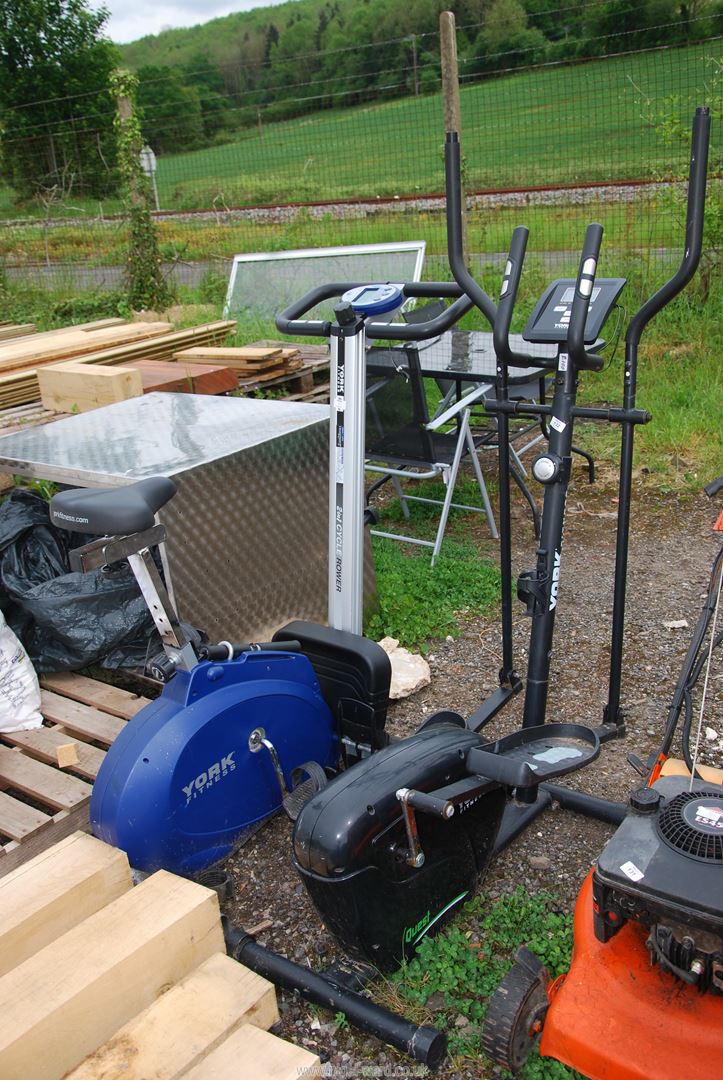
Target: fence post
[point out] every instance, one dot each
(450, 99)
(147, 287)
(132, 176)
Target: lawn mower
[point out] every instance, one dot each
(644, 994)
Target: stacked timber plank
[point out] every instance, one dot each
(101, 344)
(257, 363)
(46, 774)
(102, 980)
(11, 331)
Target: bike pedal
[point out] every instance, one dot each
(303, 789)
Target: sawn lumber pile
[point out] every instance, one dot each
(94, 343)
(9, 331)
(260, 363)
(100, 979)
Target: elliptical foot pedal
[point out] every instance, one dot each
(303, 789)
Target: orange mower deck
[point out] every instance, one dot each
(615, 1017)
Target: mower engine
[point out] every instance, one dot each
(663, 868)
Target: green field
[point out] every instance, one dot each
(554, 125)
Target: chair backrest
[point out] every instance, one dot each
(396, 409)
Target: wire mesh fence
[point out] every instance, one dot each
(310, 157)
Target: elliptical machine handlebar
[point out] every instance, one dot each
(290, 321)
(700, 140)
(455, 248)
(508, 295)
(581, 301)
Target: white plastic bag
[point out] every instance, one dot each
(19, 689)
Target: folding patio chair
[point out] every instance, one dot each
(402, 442)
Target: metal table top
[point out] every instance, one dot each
(469, 356)
(158, 434)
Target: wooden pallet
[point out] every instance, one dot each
(100, 980)
(298, 385)
(40, 802)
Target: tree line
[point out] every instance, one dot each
(200, 86)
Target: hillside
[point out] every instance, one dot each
(199, 85)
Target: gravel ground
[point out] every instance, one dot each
(671, 550)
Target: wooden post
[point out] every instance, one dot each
(450, 99)
(135, 179)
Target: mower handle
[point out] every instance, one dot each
(290, 321)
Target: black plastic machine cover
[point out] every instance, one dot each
(350, 846)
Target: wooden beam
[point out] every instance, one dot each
(73, 387)
(29, 353)
(71, 996)
(50, 832)
(263, 1056)
(54, 892)
(184, 378)
(178, 1030)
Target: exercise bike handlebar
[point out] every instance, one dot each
(291, 322)
(693, 230)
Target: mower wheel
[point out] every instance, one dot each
(516, 1012)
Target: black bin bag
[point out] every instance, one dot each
(66, 620)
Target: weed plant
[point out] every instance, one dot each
(453, 975)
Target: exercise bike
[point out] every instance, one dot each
(389, 849)
(239, 731)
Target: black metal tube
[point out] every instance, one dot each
(508, 295)
(697, 176)
(455, 250)
(589, 805)
(518, 817)
(220, 651)
(612, 713)
(549, 553)
(613, 416)
(501, 329)
(422, 1043)
(289, 321)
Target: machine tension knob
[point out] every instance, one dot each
(546, 468)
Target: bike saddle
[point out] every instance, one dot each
(112, 511)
